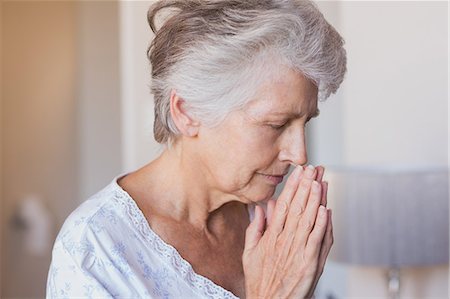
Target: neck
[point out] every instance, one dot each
(180, 190)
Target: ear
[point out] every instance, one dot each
(185, 124)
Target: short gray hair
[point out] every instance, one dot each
(216, 53)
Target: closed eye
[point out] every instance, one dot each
(277, 126)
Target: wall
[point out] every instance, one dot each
(98, 95)
(1, 147)
(60, 119)
(138, 146)
(397, 83)
(326, 133)
(390, 112)
(38, 129)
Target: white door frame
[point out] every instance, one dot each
(138, 144)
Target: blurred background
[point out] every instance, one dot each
(76, 111)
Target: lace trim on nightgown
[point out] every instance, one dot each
(167, 252)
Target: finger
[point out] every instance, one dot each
(307, 221)
(270, 209)
(326, 247)
(314, 242)
(320, 171)
(324, 200)
(255, 230)
(278, 218)
(327, 242)
(324, 251)
(300, 200)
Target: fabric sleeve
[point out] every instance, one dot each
(69, 276)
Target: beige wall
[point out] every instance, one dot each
(1, 147)
(139, 146)
(38, 128)
(60, 119)
(98, 95)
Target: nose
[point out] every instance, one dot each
(293, 146)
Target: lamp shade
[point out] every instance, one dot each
(389, 218)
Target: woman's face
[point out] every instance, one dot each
(248, 154)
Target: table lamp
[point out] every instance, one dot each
(390, 218)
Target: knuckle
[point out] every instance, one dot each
(291, 182)
(272, 236)
(305, 183)
(322, 222)
(308, 224)
(298, 212)
(282, 207)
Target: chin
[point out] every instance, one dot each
(257, 193)
(263, 197)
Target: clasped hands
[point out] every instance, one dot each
(285, 250)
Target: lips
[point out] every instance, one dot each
(274, 179)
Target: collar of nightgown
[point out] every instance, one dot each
(167, 252)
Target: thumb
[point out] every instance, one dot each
(255, 230)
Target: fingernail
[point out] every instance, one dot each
(315, 187)
(322, 211)
(297, 171)
(310, 171)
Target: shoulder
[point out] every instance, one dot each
(80, 253)
(95, 222)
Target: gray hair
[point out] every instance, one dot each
(215, 54)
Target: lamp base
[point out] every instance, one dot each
(394, 283)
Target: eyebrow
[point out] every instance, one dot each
(296, 115)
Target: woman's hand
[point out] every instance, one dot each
(285, 254)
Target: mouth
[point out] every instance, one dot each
(273, 179)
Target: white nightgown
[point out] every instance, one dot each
(106, 249)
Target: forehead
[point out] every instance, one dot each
(290, 94)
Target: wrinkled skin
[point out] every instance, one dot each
(285, 252)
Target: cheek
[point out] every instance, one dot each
(252, 149)
(236, 162)
(262, 148)
(236, 152)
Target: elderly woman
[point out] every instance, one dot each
(234, 83)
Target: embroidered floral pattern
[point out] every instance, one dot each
(167, 252)
(106, 249)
